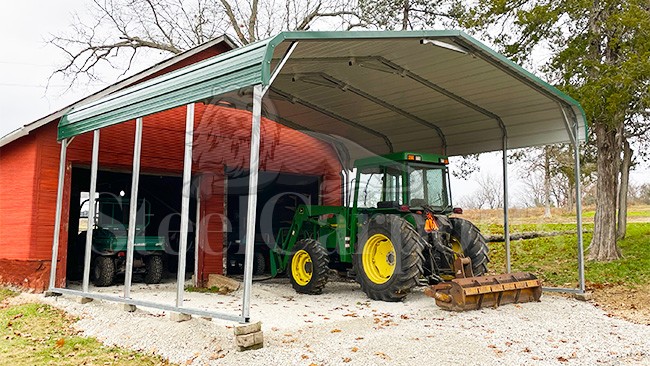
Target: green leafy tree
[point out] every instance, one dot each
(600, 54)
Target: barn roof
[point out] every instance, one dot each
(428, 91)
(26, 129)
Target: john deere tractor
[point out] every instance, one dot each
(397, 233)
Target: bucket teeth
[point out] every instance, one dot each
(474, 293)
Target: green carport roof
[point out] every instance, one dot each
(428, 91)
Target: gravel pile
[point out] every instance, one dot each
(343, 327)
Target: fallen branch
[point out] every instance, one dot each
(528, 235)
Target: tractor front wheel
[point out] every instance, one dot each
(388, 258)
(104, 271)
(308, 267)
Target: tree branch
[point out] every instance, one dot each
(233, 21)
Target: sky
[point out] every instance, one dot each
(27, 61)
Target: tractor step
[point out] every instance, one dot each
(473, 293)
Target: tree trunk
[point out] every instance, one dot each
(603, 244)
(547, 183)
(623, 189)
(405, 15)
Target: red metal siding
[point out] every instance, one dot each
(17, 173)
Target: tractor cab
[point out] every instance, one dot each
(404, 182)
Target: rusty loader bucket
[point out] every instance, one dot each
(473, 293)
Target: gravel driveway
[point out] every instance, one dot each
(342, 326)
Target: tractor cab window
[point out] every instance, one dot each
(428, 186)
(379, 184)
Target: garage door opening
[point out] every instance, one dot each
(157, 225)
(278, 196)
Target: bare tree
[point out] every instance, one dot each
(116, 31)
(490, 191)
(532, 192)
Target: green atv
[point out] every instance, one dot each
(396, 234)
(110, 241)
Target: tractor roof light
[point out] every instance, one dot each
(414, 157)
(444, 160)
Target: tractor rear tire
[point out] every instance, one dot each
(388, 258)
(153, 269)
(104, 271)
(472, 243)
(308, 267)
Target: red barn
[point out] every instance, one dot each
(29, 162)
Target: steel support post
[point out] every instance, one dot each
(197, 232)
(185, 204)
(581, 260)
(252, 200)
(91, 210)
(506, 221)
(133, 208)
(57, 214)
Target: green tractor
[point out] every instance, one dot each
(110, 240)
(396, 233)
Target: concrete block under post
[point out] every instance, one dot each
(585, 296)
(129, 307)
(83, 300)
(249, 336)
(179, 317)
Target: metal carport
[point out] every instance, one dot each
(429, 91)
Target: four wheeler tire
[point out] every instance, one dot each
(308, 267)
(388, 258)
(104, 271)
(259, 264)
(153, 269)
(472, 244)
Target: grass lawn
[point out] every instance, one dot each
(37, 334)
(554, 259)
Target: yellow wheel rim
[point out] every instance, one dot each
(301, 267)
(456, 247)
(378, 258)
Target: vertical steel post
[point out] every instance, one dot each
(133, 208)
(91, 210)
(581, 260)
(57, 213)
(506, 223)
(197, 231)
(185, 204)
(258, 92)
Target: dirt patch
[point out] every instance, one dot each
(632, 304)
